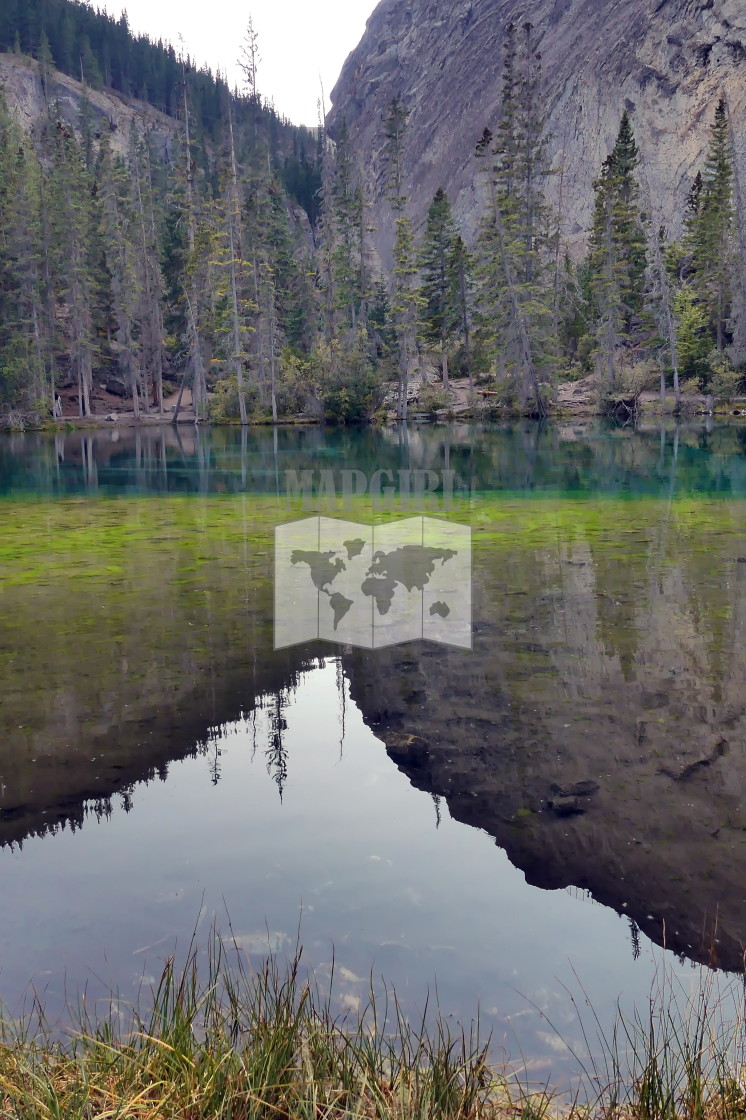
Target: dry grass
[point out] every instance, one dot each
(243, 1046)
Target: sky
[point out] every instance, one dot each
(302, 43)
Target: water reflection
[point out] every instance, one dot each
(292, 822)
(589, 458)
(593, 739)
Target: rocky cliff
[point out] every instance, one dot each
(666, 61)
(28, 98)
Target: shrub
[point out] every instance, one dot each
(433, 398)
(725, 381)
(344, 380)
(223, 405)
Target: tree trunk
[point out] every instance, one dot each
(234, 237)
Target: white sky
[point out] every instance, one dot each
(299, 40)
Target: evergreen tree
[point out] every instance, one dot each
(249, 59)
(349, 253)
(150, 278)
(118, 260)
(460, 268)
(617, 257)
(404, 302)
(515, 301)
(343, 274)
(440, 289)
(24, 350)
(380, 322)
(118, 227)
(709, 237)
(46, 60)
(72, 222)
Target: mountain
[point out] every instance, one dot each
(666, 61)
(136, 191)
(71, 40)
(28, 98)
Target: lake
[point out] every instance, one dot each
(534, 825)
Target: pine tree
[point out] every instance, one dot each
(118, 217)
(514, 249)
(663, 301)
(24, 350)
(241, 308)
(617, 257)
(150, 277)
(349, 251)
(126, 260)
(342, 239)
(738, 287)
(460, 268)
(193, 280)
(439, 289)
(404, 302)
(249, 60)
(709, 237)
(45, 60)
(380, 322)
(71, 224)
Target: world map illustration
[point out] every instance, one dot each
(410, 566)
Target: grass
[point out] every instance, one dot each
(238, 1045)
(245, 1045)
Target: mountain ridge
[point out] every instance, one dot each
(665, 61)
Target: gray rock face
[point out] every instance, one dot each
(666, 61)
(24, 94)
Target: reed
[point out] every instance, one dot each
(231, 1043)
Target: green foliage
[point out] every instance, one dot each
(348, 250)
(516, 250)
(70, 34)
(120, 265)
(405, 299)
(694, 340)
(24, 359)
(433, 399)
(344, 380)
(224, 404)
(123, 265)
(724, 381)
(441, 256)
(617, 256)
(709, 234)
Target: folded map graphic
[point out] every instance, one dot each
(373, 586)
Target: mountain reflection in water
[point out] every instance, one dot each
(595, 732)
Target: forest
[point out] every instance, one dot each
(239, 266)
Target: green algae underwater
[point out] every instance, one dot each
(117, 609)
(127, 600)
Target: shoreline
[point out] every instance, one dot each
(574, 402)
(261, 1041)
(648, 412)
